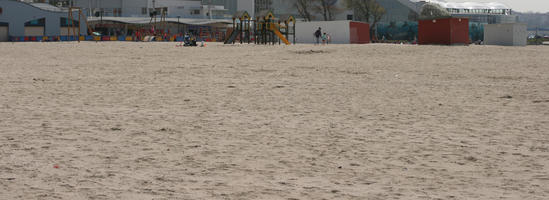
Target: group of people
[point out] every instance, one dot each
(325, 38)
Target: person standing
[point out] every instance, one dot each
(317, 34)
(324, 39)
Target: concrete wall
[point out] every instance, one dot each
(498, 34)
(180, 8)
(339, 30)
(67, 31)
(505, 34)
(4, 33)
(17, 14)
(34, 31)
(133, 8)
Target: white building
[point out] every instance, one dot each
(505, 34)
(19, 19)
(174, 8)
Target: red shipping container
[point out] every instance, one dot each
(446, 31)
(359, 33)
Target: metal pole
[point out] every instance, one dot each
(279, 31)
(234, 27)
(293, 33)
(154, 11)
(69, 23)
(79, 23)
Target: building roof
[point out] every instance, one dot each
(468, 5)
(146, 20)
(48, 7)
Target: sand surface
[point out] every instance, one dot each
(121, 120)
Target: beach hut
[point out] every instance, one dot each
(341, 32)
(512, 34)
(444, 31)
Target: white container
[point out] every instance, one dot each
(514, 34)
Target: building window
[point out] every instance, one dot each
(195, 12)
(36, 22)
(144, 11)
(117, 12)
(65, 22)
(262, 5)
(349, 17)
(0, 10)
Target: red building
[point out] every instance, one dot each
(359, 33)
(447, 31)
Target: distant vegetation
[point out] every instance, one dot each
(433, 11)
(537, 41)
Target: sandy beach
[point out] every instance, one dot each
(129, 120)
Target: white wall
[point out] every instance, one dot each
(34, 31)
(4, 33)
(505, 34)
(338, 30)
(521, 35)
(64, 31)
(133, 8)
(179, 8)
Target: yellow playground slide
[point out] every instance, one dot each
(275, 30)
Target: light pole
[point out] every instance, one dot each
(210, 9)
(154, 11)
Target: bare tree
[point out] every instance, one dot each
(367, 11)
(327, 8)
(377, 13)
(304, 8)
(361, 9)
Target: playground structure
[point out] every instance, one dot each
(73, 28)
(157, 29)
(262, 30)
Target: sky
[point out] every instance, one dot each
(517, 5)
